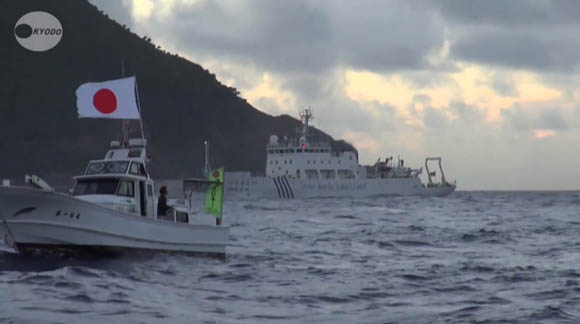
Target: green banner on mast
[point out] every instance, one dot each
(214, 195)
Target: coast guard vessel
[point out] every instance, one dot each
(300, 168)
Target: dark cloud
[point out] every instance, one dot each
(525, 49)
(504, 85)
(509, 13)
(525, 119)
(274, 35)
(310, 87)
(304, 36)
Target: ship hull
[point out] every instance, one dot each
(241, 184)
(40, 220)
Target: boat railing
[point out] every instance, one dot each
(175, 214)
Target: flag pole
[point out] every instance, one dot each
(123, 122)
(139, 107)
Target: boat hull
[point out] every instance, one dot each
(40, 220)
(242, 184)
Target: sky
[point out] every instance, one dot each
(490, 86)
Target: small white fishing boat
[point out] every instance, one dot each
(112, 208)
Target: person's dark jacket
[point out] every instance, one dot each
(162, 206)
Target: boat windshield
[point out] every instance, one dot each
(98, 186)
(115, 167)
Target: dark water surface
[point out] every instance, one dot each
(477, 257)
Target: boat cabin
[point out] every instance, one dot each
(120, 181)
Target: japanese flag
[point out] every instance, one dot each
(110, 99)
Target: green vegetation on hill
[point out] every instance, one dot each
(182, 103)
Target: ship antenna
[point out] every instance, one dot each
(207, 166)
(306, 117)
(125, 131)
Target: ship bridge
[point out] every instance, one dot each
(300, 158)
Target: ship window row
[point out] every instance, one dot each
(299, 151)
(321, 161)
(285, 162)
(272, 162)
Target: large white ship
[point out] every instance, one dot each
(300, 168)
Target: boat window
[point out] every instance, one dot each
(97, 186)
(328, 174)
(299, 150)
(126, 188)
(311, 174)
(149, 190)
(134, 153)
(137, 168)
(116, 167)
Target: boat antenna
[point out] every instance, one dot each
(140, 110)
(207, 166)
(306, 117)
(124, 138)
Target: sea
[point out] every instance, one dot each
(471, 257)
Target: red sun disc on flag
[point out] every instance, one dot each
(216, 174)
(105, 101)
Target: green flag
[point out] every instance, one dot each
(214, 195)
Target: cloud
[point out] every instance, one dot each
(532, 118)
(119, 10)
(309, 36)
(509, 13)
(534, 49)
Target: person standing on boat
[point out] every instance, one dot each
(162, 202)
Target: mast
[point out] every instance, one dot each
(124, 136)
(305, 117)
(125, 139)
(206, 167)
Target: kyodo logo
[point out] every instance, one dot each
(38, 31)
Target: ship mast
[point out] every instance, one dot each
(305, 117)
(207, 167)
